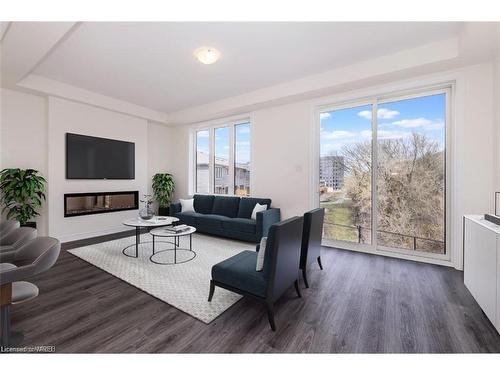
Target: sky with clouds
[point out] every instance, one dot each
(221, 142)
(396, 120)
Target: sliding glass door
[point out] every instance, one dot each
(405, 138)
(345, 169)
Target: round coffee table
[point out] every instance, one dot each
(162, 232)
(138, 223)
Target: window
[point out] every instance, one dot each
(405, 138)
(345, 172)
(411, 174)
(223, 159)
(202, 167)
(242, 159)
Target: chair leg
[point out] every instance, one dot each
(212, 290)
(296, 284)
(270, 315)
(304, 276)
(319, 262)
(5, 326)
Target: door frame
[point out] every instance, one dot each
(448, 88)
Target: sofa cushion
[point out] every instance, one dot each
(203, 203)
(247, 205)
(239, 272)
(212, 220)
(226, 206)
(240, 225)
(187, 205)
(189, 218)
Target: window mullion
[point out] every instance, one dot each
(374, 195)
(211, 156)
(231, 160)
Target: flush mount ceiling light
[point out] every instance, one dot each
(207, 55)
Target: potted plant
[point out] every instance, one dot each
(163, 187)
(23, 191)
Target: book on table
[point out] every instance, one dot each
(177, 229)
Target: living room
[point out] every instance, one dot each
(207, 187)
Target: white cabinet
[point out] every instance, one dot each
(497, 325)
(482, 265)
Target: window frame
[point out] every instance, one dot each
(211, 126)
(230, 158)
(195, 157)
(376, 99)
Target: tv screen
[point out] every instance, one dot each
(99, 158)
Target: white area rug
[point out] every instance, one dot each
(184, 286)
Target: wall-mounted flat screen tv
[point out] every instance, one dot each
(99, 158)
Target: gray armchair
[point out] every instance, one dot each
(16, 238)
(44, 252)
(281, 268)
(7, 226)
(312, 233)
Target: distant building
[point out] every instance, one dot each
(221, 172)
(331, 172)
(242, 179)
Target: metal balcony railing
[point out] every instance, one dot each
(414, 239)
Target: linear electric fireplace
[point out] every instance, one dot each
(77, 204)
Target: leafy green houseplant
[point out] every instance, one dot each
(22, 193)
(163, 187)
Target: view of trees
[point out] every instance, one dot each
(410, 182)
(409, 175)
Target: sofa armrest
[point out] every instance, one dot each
(267, 218)
(175, 208)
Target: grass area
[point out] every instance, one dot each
(338, 211)
(339, 214)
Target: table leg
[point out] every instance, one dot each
(137, 240)
(191, 241)
(153, 245)
(175, 250)
(5, 325)
(5, 301)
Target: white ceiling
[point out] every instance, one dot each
(152, 64)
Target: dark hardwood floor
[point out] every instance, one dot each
(360, 303)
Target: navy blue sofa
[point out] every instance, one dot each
(228, 216)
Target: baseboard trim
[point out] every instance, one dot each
(83, 235)
(68, 245)
(390, 254)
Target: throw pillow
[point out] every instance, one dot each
(261, 254)
(258, 207)
(187, 205)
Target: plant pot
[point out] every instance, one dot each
(30, 224)
(163, 211)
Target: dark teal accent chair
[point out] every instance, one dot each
(281, 268)
(312, 233)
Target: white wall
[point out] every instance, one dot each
(282, 148)
(67, 116)
(24, 137)
(33, 136)
(497, 121)
(474, 150)
(160, 152)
